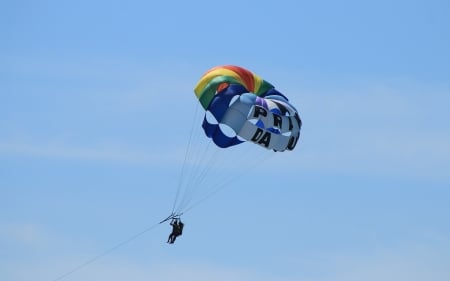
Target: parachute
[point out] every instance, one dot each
(239, 113)
(240, 106)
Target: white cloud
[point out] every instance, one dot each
(410, 263)
(369, 127)
(375, 129)
(415, 263)
(94, 152)
(428, 156)
(26, 234)
(117, 269)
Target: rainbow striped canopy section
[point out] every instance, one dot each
(241, 107)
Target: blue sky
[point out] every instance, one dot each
(96, 109)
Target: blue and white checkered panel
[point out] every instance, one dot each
(218, 109)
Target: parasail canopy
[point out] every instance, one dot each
(242, 107)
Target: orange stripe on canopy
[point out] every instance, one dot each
(247, 77)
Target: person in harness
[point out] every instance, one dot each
(177, 230)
